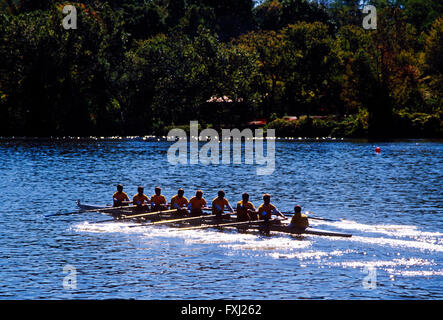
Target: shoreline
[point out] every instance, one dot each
(154, 138)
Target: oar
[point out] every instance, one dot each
(158, 222)
(310, 217)
(91, 210)
(178, 220)
(230, 224)
(173, 221)
(134, 216)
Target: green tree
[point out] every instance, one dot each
(422, 13)
(277, 14)
(381, 70)
(311, 70)
(232, 17)
(60, 81)
(433, 46)
(270, 50)
(165, 76)
(346, 12)
(268, 15)
(144, 21)
(197, 16)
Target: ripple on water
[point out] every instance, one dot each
(390, 202)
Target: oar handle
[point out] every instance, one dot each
(229, 224)
(175, 220)
(310, 217)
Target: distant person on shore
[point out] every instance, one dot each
(219, 203)
(180, 203)
(245, 209)
(299, 220)
(120, 198)
(158, 201)
(197, 204)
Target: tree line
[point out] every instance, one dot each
(135, 67)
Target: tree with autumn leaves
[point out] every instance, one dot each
(140, 67)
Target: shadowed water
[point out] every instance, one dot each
(391, 202)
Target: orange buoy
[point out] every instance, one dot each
(378, 150)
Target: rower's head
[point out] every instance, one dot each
(119, 187)
(267, 198)
(180, 192)
(199, 194)
(245, 197)
(221, 194)
(297, 210)
(158, 191)
(140, 190)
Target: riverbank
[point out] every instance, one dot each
(404, 125)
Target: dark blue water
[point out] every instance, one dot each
(391, 202)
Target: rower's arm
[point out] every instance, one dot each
(115, 201)
(175, 206)
(229, 207)
(277, 212)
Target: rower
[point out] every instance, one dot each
(299, 220)
(139, 199)
(266, 210)
(180, 203)
(158, 201)
(197, 204)
(245, 209)
(120, 198)
(219, 203)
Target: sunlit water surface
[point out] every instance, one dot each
(391, 203)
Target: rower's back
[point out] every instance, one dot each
(299, 220)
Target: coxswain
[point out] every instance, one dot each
(245, 209)
(158, 201)
(299, 220)
(139, 200)
(180, 203)
(197, 204)
(120, 198)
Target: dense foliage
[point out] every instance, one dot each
(135, 67)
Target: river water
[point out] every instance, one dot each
(391, 202)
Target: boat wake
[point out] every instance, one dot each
(393, 235)
(391, 230)
(366, 248)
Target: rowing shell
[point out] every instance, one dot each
(117, 212)
(277, 226)
(283, 228)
